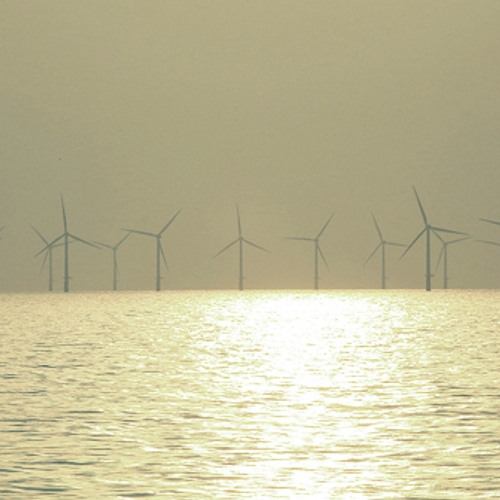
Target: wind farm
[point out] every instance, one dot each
(240, 240)
(160, 254)
(427, 230)
(381, 246)
(317, 250)
(281, 269)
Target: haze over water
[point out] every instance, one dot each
(283, 394)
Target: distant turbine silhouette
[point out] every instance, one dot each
(48, 256)
(444, 255)
(240, 240)
(317, 250)
(160, 254)
(381, 245)
(115, 260)
(65, 237)
(427, 230)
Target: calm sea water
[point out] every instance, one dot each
(252, 395)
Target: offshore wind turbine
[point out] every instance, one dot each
(160, 254)
(317, 250)
(240, 240)
(427, 231)
(66, 237)
(444, 255)
(48, 256)
(115, 259)
(382, 246)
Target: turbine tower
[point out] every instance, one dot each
(240, 240)
(317, 250)
(382, 246)
(66, 237)
(427, 230)
(115, 259)
(160, 254)
(444, 255)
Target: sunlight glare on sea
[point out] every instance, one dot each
(249, 395)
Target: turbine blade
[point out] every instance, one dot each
(163, 255)
(394, 244)
(65, 222)
(440, 257)
(239, 220)
(298, 238)
(256, 246)
(491, 221)
(323, 257)
(413, 242)
(378, 229)
(45, 260)
(373, 253)
(39, 234)
(83, 241)
(458, 239)
(325, 226)
(140, 232)
(169, 222)
(438, 236)
(225, 248)
(102, 244)
(49, 245)
(489, 242)
(122, 240)
(443, 230)
(422, 211)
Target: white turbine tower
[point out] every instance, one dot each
(317, 250)
(381, 246)
(48, 256)
(114, 249)
(66, 238)
(444, 255)
(427, 230)
(240, 240)
(160, 254)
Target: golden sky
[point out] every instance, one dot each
(291, 109)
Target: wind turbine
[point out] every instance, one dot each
(160, 254)
(66, 240)
(48, 256)
(427, 230)
(115, 260)
(382, 246)
(317, 250)
(240, 240)
(444, 255)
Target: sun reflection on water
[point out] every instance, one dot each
(345, 394)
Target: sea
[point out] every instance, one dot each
(345, 395)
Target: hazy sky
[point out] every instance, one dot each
(292, 109)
